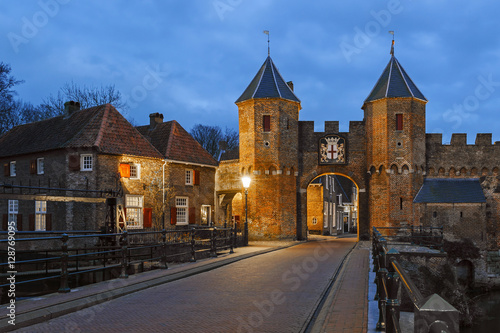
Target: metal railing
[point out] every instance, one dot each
(118, 251)
(432, 314)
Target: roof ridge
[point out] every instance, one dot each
(169, 141)
(104, 119)
(83, 127)
(404, 78)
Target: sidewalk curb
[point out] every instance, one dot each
(39, 315)
(318, 316)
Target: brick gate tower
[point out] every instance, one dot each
(268, 128)
(395, 146)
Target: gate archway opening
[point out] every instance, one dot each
(333, 205)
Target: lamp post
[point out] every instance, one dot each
(246, 184)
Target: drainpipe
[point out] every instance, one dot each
(163, 194)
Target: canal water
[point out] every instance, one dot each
(491, 322)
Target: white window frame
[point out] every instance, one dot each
(12, 168)
(40, 215)
(182, 210)
(13, 211)
(134, 213)
(137, 171)
(84, 164)
(40, 166)
(189, 177)
(209, 215)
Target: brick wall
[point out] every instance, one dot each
(315, 209)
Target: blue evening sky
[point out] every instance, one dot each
(191, 59)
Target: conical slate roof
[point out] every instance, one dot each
(268, 83)
(394, 82)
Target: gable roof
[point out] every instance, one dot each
(101, 127)
(176, 144)
(443, 190)
(268, 83)
(394, 82)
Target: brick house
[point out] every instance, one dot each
(190, 170)
(59, 172)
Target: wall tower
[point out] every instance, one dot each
(395, 146)
(268, 128)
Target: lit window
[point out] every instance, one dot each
(181, 205)
(13, 211)
(134, 205)
(40, 215)
(86, 162)
(189, 177)
(13, 168)
(135, 171)
(40, 166)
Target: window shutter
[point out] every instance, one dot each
(5, 221)
(125, 170)
(6, 170)
(196, 177)
(31, 226)
(399, 122)
(74, 162)
(192, 215)
(173, 215)
(147, 221)
(48, 222)
(33, 167)
(266, 123)
(20, 222)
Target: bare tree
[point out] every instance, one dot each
(8, 116)
(210, 136)
(86, 96)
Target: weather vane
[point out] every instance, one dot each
(392, 46)
(268, 47)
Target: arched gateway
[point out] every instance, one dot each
(384, 155)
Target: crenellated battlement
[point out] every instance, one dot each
(460, 140)
(459, 159)
(331, 126)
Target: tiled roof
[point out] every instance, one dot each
(438, 190)
(102, 128)
(175, 143)
(268, 83)
(394, 82)
(232, 154)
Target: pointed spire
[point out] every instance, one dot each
(268, 83)
(394, 82)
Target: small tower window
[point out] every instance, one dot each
(399, 122)
(266, 123)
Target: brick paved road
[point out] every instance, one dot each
(273, 292)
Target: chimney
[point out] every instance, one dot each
(290, 84)
(70, 107)
(155, 118)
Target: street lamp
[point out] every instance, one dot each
(246, 184)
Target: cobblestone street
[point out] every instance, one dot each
(272, 292)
